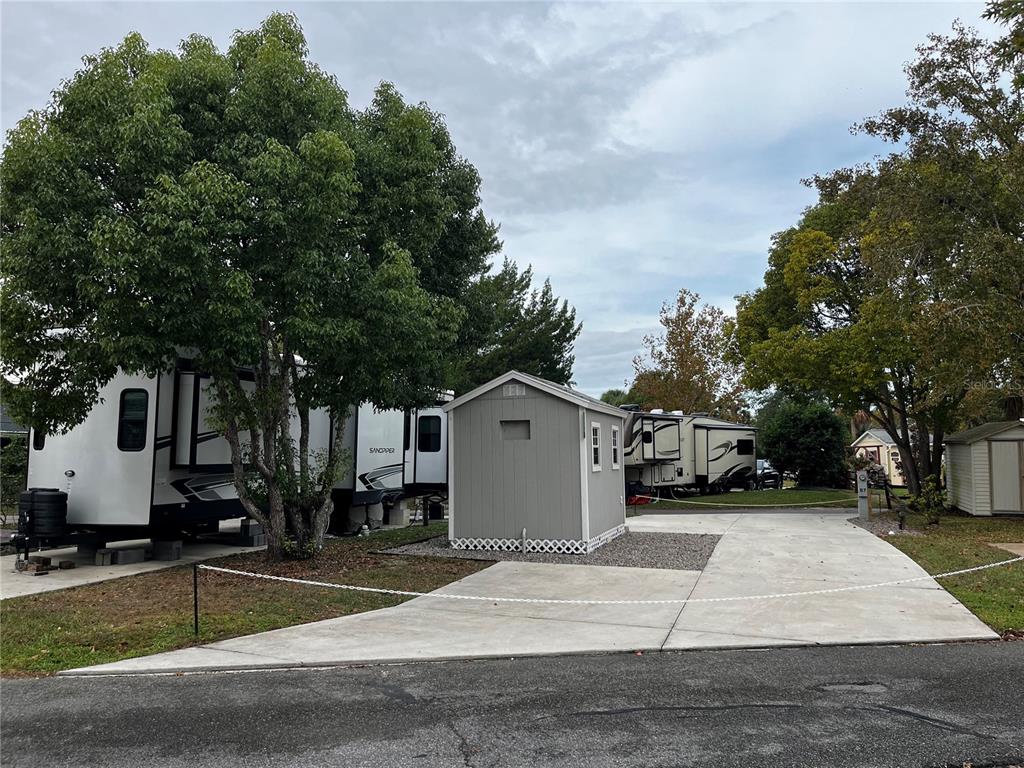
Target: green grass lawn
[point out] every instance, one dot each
(788, 496)
(152, 612)
(996, 596)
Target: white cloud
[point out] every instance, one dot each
(784, 71)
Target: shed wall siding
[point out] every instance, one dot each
(605, 489)
(982, 482)
(502, 486)
(960, 477)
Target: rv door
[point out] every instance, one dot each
(426, 450)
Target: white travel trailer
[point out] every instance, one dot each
(146, 459)
(676, 451)
(393, 454)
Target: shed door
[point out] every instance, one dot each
(1007, 470)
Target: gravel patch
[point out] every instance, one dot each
(675, 551)
(884, 528)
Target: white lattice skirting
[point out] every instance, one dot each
(553, 546)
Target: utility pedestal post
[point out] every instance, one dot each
(862, 494)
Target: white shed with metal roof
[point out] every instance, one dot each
(534, 465)
(985, 469)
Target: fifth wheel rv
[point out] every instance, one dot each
(145, 460)
(675, 452)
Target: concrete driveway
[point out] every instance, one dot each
(785, 552)
(759, 553)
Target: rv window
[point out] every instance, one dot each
(131, 423)
(744, 447)
(595, 446)
(429, 434)
(647, 437)
(615, 447)
(38, 440)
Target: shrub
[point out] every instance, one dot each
(13, 473)
(806, 439)
(930, 502)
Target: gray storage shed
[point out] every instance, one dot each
(525, 454)
(985, 469)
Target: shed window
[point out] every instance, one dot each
(595, 447)
(131, 420)
(514, 389)
(615, 447)
(429, 434)
(38, 439)
(515, 430)
(744, 447)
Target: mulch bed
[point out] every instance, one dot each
(884, 528)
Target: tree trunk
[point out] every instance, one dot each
(911, 472)
(938, 435)
(296, 507)
(923, 450)
(323, 505)
(896, 425)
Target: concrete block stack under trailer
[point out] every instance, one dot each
(147, 461)
(533, 466)
(677, 452)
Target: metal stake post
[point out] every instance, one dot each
(195, 598)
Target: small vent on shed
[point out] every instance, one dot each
(515, 389)
(515, 430)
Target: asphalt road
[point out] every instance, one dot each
(951, 705)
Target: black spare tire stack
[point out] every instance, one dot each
(42, 512)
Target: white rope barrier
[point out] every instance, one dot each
(676, 601)
(736, 505)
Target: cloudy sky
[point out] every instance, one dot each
(627, 150)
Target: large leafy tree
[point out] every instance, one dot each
(902, 290)
(231, 206)
(513, 326)
(615, 397)
(688, 366)
(1011, 14)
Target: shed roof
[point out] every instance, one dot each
(974, 434)
(557, 390)
(878, 434)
